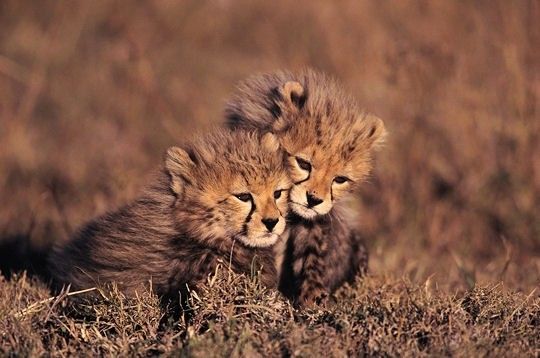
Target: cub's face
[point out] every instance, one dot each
(319, 180)
(253, 210)
(231, 186)
(328, 154)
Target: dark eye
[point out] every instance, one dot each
(340, 179)
(277, 194)
(244, 197)
(304, 164)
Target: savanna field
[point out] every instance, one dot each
(92, 94)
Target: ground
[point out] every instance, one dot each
(235, 316)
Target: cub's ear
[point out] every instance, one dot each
(179, 165)
(270, 143)
(292, 99)
(371, 130)
(293, 94)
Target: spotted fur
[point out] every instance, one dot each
(206, 206)
(329, 143)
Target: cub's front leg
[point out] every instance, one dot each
(325, 261)
(311, 268)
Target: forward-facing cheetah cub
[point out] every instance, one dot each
(220, 198)
(328, 142)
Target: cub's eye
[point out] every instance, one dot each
(341, 180)
(303, 164)
(277, 194)
(245, 197)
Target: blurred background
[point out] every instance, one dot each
(92, 93)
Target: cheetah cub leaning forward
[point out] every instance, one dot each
(329, 143)
(222, 197)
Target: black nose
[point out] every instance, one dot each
(313, 200)
(270, 223)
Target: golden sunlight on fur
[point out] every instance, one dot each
(220, 198)
(245, 198)
(329, 140)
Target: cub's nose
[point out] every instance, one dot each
(270, 223)
(312, 200)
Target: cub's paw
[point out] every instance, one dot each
(312, 297)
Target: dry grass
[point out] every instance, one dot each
(92, 93)
(235, 316)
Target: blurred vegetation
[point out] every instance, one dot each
(91, 94)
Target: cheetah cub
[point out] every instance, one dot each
(221, 198)
(329, 143)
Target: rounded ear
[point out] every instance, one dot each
(280, 125)
(293, 94)
(371, 129)
(270, 142)
(179, 165)
(292, 98)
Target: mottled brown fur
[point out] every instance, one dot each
(188, 221)
(329, 142)
(317, 263)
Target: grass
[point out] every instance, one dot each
(92, 93)
(235, 316)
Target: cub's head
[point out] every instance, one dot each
(328, 141)
(328, 148)
(230, 185)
